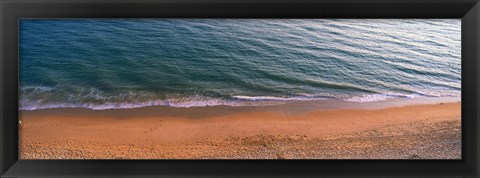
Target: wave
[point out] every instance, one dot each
(169, 103)
(34, 103)
(185, 102)
(378, 97)
(274, 98)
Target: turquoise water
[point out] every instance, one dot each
(129, 63)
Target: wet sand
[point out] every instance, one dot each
(425, 131)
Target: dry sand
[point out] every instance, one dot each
(431, 131)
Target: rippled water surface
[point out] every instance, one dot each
(103, 64)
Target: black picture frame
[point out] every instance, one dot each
(13, 10)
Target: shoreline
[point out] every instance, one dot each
(419, 131)
(289, 107)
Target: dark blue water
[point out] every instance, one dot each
(103, 64)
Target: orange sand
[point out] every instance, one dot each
(420, 131)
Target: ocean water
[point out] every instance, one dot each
(129, 63)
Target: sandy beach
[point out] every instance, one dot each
(426, 131)
(239, 88)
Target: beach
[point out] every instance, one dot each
(240, 89)
(420, 131)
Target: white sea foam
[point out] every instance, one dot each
(202, 101)
(381, 97)
(186, 102)
(274, 98)
(183, 103)
(368, 98)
